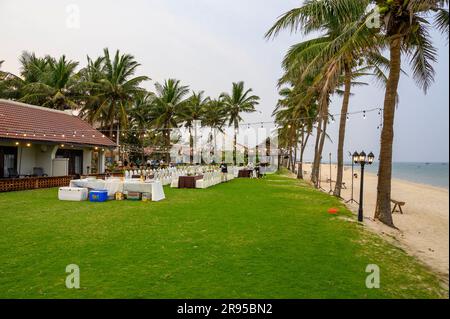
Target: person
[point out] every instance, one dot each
(224, 170)
(258, 171)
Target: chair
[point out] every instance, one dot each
(12, 173)
(39, 172)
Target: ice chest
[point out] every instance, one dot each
(98, 196)
(76, 194)
(134, 196)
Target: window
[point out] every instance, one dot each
(8, 161)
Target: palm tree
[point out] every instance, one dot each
(239, 101)
(405, 25)
(193, 112)
(49, 82)
(89, 78)
(117, 87)
(296, 121)
(214, 116)
(3, 76)
(167, 109)
(325, 57)
(138, 118)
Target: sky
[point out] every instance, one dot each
(208, 44)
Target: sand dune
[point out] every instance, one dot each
(423, 229)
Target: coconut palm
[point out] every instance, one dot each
(49, 82)
(90, 102)
(406, 25)
(3, 86)
(295, 120)
(192, 112)
(117, 87)
(138, 119)
(167, 109)
(239, 101)
(325, 57)
(214, 116)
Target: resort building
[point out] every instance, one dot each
(38, 141)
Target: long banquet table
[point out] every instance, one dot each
(116, 185)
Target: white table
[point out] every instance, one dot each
(116, 185)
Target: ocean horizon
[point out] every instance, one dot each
(428, 173)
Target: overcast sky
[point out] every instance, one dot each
(208, 44)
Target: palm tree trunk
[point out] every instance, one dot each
(167, 146)
(314, 173)
(111, 119)
(323, 133)
(223, 148)
(302, 152)
(383, 211)
(300, 167)
(215, 145)
(342, 126)
(234, 145)
(111, 129)
(295, 157)
(195, 144)
(191, 146)
(289, 163)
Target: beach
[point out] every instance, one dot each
(423, 229)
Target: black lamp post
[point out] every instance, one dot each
(362, 159)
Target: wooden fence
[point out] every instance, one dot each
(26, 183)
(20, 184)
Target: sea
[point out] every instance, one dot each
(435, 174)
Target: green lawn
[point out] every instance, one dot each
(269, 238)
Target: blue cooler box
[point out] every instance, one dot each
(98, 196)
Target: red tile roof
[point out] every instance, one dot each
(20, 121)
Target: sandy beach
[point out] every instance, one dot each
(423, 229)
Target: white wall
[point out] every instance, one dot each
(87, 159)
(44, 156)
(40, 155)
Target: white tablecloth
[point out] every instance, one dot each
(116, 185)
(138, 186)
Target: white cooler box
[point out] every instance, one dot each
(76, 194)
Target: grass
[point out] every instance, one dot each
(269, 238)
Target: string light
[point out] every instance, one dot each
(63, 133)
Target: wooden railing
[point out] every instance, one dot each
(104, 176)
(20, 184)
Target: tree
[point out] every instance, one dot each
(167, 109)
(117, 87)
(323, 56)
(405, 25)
(239, 101)
(139, 124)
(49, 82)
(214, 116)
(193, 112)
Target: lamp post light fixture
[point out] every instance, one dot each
(362, 159)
